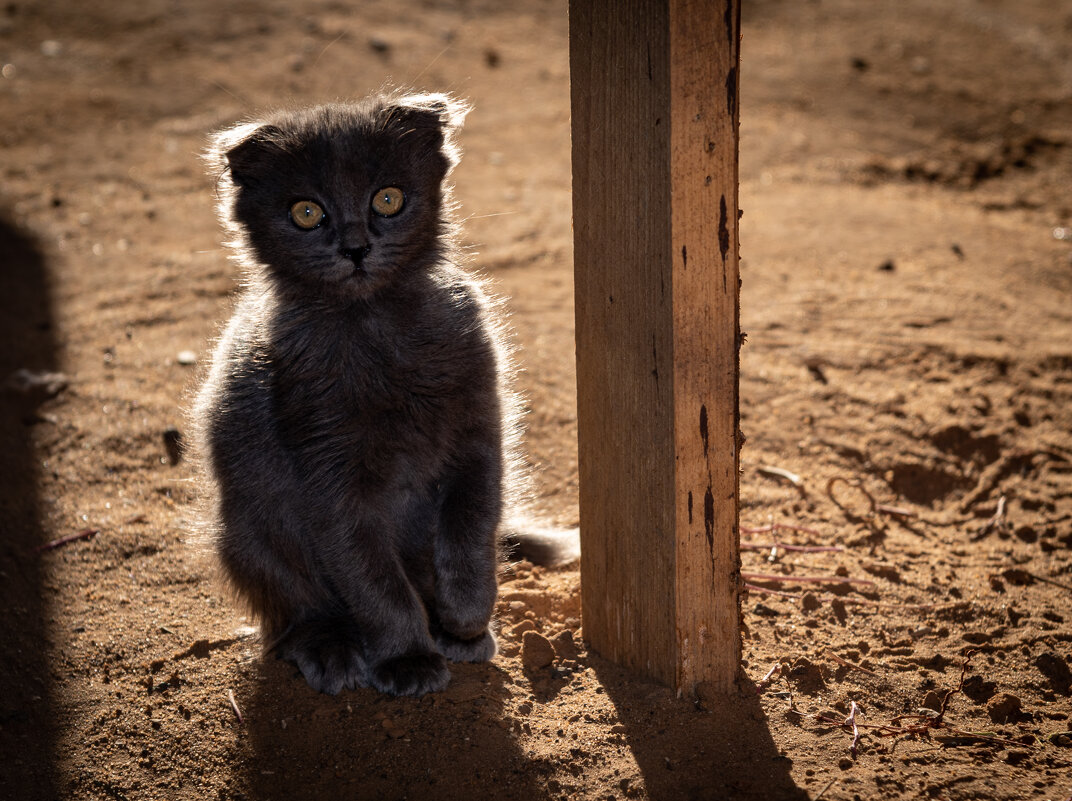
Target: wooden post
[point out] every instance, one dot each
(655, 132)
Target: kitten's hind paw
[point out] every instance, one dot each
(329, 662)
(478, 649)
(412, 674)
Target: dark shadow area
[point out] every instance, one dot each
(448, 746)
(690, 751)
(27, 718)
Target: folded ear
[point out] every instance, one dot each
(245, 149)
(441, 110)
(433, 118)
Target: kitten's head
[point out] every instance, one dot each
(338, 201)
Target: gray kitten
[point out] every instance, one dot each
(356, 419)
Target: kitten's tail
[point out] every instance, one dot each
(524, 538)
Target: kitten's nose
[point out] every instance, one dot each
(356, 255)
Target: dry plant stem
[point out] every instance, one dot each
(999, 514)
(767, 591)
(805, 579)
(234, 706)
(995, 473)
(765, 546)
(995, 523)
(851, 720)
(762, 684)
(876, 507)
(959, 688)
(822, 792)
(829, 597)
(778, 472)
(938, 721)
(84, 534)
(849, 483)
(772, 527)
(849, 664)
(1045, 580)
(896, 511)
(789, 690)
(921, 724)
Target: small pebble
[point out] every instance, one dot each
(564, 645)
(187, 357)
(807, 676)
(810, 602)
(1002, 707)
(536, 651)
(519, 630)
(932, 701)
(1016, 757)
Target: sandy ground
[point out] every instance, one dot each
(907, 266)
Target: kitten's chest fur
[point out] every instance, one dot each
(376, 400)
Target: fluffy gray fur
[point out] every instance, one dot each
(356, 419)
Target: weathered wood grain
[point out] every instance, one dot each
(655, 120)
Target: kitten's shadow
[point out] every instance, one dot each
(361, 744)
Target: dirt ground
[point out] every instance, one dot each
(907, 266)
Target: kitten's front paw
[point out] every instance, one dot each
(328, 664)
(411, 674)
(478, 649)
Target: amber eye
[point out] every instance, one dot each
(388, 201)
(306, 214)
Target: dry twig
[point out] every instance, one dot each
(876, 507)
(768, 591)
(761, 685)
(829, 784)
(1017, 575)
(778, 472)
(851, 721)
(849, 664)
(996, 523)
(845, 600)
(234, 706)
(920, 724)
(766, 546)
(805, 579)
(773, 527)
(84, 534)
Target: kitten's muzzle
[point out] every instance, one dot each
(356, 255)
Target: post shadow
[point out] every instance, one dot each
(447, 745)
(719, 749)
(27, 719)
